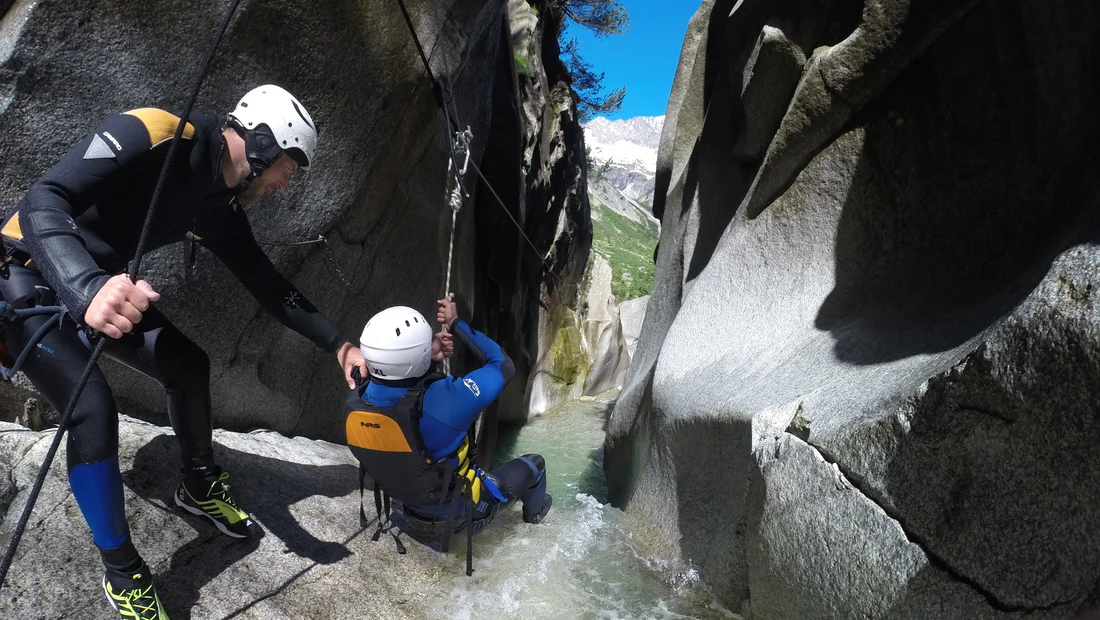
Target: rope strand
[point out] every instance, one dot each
(329, 254)
(504, 207)
(455, 197)
(440, 90)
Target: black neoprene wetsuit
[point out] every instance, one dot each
(76, 227)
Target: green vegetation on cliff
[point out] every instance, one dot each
(628, 247)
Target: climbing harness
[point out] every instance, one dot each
(387, 442)
(135, 266)
(8, 315)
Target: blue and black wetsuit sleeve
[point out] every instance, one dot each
(486, 352)
(450, 407)
(232, 241)
(118, 149)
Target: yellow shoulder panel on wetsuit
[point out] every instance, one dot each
(161, 125)
(12, 229)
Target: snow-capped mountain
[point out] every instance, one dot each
(625, 151)
(640, 131)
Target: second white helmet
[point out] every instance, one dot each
(284, 116)
(397, 344)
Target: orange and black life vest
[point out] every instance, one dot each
(390, 449)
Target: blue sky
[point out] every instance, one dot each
(645, 58)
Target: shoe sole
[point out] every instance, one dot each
(202, 513)
(108, 595)
(536, 519)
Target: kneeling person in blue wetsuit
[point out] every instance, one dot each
(408, 426)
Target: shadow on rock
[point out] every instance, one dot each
(594, 480)
(265, 487)
(955, 212)
(1000, 482)
(713, 530)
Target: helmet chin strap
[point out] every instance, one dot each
(254, 171)
(261, 149)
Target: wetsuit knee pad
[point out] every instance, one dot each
(532, 496)
(93, 431)
(519, 476)
(97, 488)
(536, 461)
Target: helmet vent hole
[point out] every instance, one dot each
(416, 320)
(289, 124)
(284, 142)
(398, 330)
(407, 324)
(295, 138)
(244, 104)
(302, 116)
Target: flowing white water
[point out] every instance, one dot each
(581, 562)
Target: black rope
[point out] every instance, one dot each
(37, 488)
(135, 265)
(443, 94)
(504, 207)
(416, 39)
(174, 147)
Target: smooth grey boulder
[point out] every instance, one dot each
(876, 571)
(900, 298)
(603, 332)
(631, 316)
(771, 76)
(312, 560)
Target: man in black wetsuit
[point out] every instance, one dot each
(70, 239)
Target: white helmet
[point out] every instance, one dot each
(397, 344)
(287, 121)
